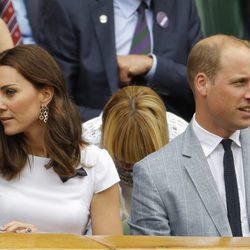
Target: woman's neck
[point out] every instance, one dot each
(35, 142)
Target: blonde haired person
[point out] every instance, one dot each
(133, 125)
(5, 38)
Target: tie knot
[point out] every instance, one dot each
(226, 143)
(142, 7)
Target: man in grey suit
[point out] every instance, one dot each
(183, 189)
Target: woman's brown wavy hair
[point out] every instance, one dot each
(63, 128)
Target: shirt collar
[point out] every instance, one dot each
(129, 7)
(210, 141)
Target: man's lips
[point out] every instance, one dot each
(245, 109)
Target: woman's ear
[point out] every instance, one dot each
(46, 95)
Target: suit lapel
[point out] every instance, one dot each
(33, 11)
(245, 145)
(106, 37)
(201, 176)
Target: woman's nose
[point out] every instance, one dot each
(3, 105)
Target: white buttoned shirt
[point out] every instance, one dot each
(214, 152)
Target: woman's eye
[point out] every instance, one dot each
(10, 92)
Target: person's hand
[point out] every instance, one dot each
(18, 227)
(131, 66)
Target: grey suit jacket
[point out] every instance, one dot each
(174, 191)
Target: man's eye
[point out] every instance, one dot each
(240, 83)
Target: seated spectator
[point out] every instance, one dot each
(5, 38)
(50, 179)
(101, 48)
(133, 125)
(198, 184)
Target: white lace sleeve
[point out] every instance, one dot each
(92, 130)
(176, 125)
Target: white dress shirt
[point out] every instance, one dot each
(214, 152)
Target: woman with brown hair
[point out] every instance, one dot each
(51, 180)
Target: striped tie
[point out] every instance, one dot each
(141, 43)
(9, 16)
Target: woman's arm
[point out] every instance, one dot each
(105, 212)
(5, 37)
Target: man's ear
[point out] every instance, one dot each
(201, 83)
(46, 95)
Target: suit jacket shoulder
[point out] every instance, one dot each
(175, 194)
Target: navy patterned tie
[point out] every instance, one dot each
(232, 196)
(141, 43)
